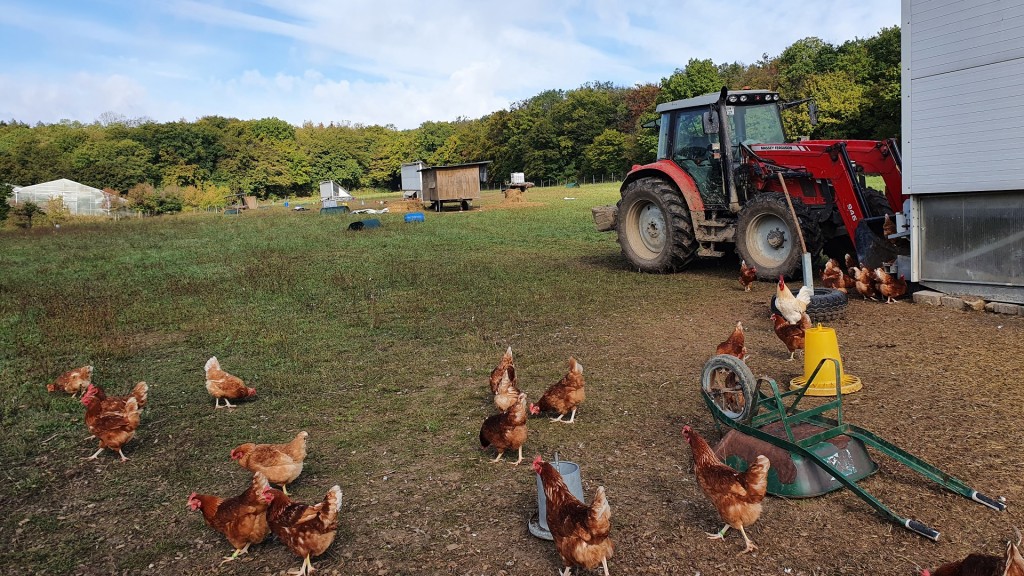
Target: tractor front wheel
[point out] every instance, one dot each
(767, 236)
(654, 227)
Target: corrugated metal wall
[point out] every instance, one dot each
(963, 95)
(973, 238)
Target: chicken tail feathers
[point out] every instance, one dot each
(212, 364)
(141, 393)
(756, 477)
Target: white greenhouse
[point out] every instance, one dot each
(79, 198)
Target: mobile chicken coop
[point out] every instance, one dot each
(456, 183)
(963, 91)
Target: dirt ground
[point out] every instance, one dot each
(941, 383)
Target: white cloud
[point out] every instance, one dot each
(383, 61)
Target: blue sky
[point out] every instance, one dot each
(395, 62)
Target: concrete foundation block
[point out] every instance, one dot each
(928, 297)
(954, 302)
(1003, 308)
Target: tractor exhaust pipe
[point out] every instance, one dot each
(726, 145)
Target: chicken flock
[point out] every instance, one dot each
(581, 532)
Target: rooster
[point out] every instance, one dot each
(1010, 564)
(281, 463)
(580, 531)
(505, 366)
(563, 396)
(222, 385)
(890, 287)
(734, 344)
(792, 335)
(789, 306)
(72, 381)
(242, 519)
(507, 430)
(307, 530)
(737, 496)
(747, 275)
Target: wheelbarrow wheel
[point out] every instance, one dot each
(732, 388)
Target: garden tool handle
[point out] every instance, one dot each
(987, 501)
(915, 526)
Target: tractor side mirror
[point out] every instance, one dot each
(812, 111)
(710, 121)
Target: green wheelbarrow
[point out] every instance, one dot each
(811, 454)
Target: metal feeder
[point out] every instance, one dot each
(570, 472)
(810, 454)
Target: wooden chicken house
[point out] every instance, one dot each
(456, 183)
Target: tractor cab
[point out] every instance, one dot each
(692, 136)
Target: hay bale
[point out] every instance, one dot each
(404, 206)
(513, 195)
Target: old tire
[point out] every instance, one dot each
(877, 203)
(731, 388)
(767, 237)
(827, 304)
(654, 227)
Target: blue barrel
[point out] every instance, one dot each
(414, 217)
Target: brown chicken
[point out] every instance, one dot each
(888, 227)
(242, 519)
(866, 283)
(507, 394)
(792, 335)
(1010, 564)
(114, 428)
(116, 403)
(72, 381)
(580, 531)
(280, 463)
(306, 530)
(563, 396)
(734, 345)
(736, 495)
(833, 277)
(747, 275)
(889, 286)
(507, 430)
(851, 265)
(506, 365)
(222, 385)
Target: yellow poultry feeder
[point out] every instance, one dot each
(820, 342)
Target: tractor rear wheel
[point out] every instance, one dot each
(654, 227)
(767, 237)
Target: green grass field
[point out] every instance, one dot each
(362, 338)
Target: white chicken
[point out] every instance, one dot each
(792, 307)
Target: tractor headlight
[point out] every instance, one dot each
(743, 98)
(732, 98)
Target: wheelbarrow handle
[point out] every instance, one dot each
(915, 526)
(987, 501)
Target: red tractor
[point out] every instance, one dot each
(716, 184)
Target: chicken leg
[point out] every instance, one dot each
(520, 456)
(571, 419)
(226, 403)
(305, 569)
(750, 545)
(238, 552)
(498, 457)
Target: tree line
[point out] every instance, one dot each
(595, 129)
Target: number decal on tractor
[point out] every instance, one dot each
(853, 215)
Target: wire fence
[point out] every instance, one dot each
(566, 182)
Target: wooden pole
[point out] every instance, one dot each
(792, 211)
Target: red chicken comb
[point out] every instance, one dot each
(687, 429)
